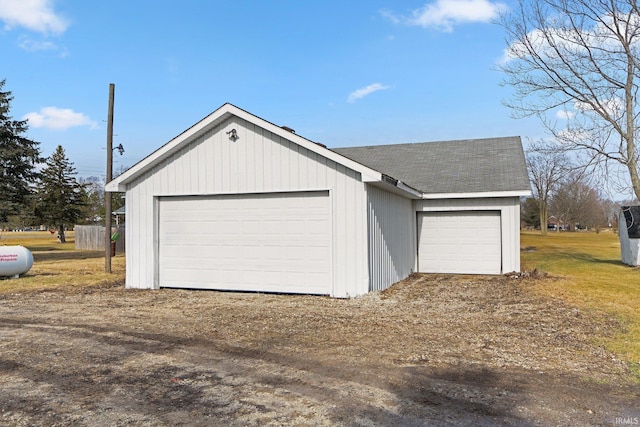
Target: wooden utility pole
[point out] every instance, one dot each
(107, 195)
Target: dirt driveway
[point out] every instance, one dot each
(432, 350)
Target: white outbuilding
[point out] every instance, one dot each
(238, 203)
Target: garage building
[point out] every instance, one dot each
(238, 203)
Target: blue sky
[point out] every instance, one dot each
(343, 73)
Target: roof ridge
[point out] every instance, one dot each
(451, 141)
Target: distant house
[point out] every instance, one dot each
(238, 203)
(557, 224)
(119, 214)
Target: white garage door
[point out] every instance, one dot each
(459, 242)
(277, 242)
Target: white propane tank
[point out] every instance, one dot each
(14, 261)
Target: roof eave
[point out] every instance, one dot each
(119, 183)
(397, 187)
(486, 194)
(410, 190)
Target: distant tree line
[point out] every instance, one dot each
(37, 191)
(563, 194)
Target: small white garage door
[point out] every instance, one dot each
(276, 242)
(465, 242)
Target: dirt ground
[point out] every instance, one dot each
(432, 350)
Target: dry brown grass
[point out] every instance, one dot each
(60, 266)
(586, 266)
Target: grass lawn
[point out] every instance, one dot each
(590, 274)
(59, 265)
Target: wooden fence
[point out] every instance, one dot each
(91, 238)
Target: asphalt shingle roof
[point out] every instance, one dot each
(464, 166)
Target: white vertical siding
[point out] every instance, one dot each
(391, 238)
(257, 162)
(509, 208)
(511, 228)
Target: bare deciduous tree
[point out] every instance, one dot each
(575, 201)
(611, 211)
(576, 65)
(546, 169)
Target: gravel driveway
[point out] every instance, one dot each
(432, 350)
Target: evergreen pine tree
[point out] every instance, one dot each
(18, 158)
(59, 196)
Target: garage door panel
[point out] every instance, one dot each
(467, 242)
(316, 253)
(267, 242)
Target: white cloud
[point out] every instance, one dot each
(391, 16)
(538, 41)
(599, 36)
(34, 15)
(613, 106)
(58, 119)
(42, 45)
(34, 46)
(368, 90)
(565, 115)
(445, 14)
